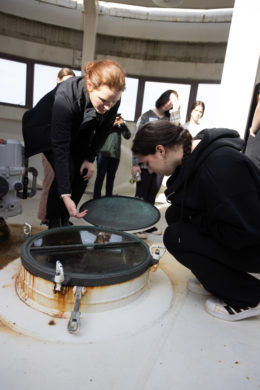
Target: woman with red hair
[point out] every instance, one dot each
(69, 125)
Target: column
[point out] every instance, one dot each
(241, 67)
(90, 27)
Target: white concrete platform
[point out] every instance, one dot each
(183, 349)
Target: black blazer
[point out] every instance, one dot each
(65, 122)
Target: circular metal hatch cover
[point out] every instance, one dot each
(120, 212)
(90, 256)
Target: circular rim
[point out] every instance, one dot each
(77, 278)
(123, 213)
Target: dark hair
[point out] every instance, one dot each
(65, 72)
(163, 133)
(164, 98)
(194, 105)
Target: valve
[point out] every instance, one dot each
(59, 277)
(156, 251)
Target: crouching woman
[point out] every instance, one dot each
(214, 217)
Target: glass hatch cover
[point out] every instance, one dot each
(120, 212)
(90, 256)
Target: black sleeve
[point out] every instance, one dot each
(36, 126)
(232, 203)
(61, 126)
(125, 131)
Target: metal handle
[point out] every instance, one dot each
(74, 321)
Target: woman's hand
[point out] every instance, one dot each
(252, 131)
(176, 106)
(90, 167)
(72, 209)
(135, 169)
(119, 121)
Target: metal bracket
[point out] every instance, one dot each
(74, 321)
(27, 230)
(156, 251)
(59, 277)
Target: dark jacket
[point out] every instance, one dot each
(65, 122)
(217, 189)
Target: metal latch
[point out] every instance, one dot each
(156, 251)
(59, 277)
(74, 321)
(27, 230)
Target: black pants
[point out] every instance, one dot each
(105, 166)
(149, 186)
(55, 205)
(222, 271)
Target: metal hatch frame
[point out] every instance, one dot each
(77, 278)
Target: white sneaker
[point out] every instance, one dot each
(222, 310)
(196, 287)
(142, 235)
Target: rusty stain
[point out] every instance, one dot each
(51, 322)
(38, 293)
(58, 315)
(203, 18)
(64, 290)
(6, 285)
(4, 327)
(7, 260)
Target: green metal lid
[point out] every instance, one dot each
(120, 213)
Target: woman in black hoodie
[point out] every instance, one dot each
(214, 217)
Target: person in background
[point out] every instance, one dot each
(253, 142)
(214, 217)
(149, 184)
(70, 125)
(196, 113)
(48, 173)
(109, 157)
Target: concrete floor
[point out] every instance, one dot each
(184, 348)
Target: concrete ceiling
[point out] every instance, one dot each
(192, 4)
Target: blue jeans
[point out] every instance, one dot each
(105, 166)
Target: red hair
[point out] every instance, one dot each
(105, 72)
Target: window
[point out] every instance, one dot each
(45, 79)
(209, 94)
(128, 99)
(13, 82)
(22, 73)
(154, 89)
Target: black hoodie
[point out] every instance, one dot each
(217, 189)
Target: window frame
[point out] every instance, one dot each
(30, 63)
